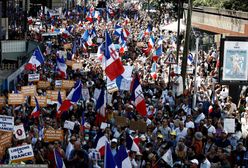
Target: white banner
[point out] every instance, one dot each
(6, 123)
(21, 153)
(69, 125)
(229, 125)
(19, 132)
(33, 77)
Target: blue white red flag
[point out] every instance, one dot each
(36, 111)
(109, 161)
(122, 159)
(36, 60)
(61, 67)
(58, 159)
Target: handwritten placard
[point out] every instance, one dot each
(6, 139)
(138, 125)
(43, 84)
(68, 84)
(77, 65)
(52, 95)
(29, 90)
(33, 77)
(42, 100)
(2, 101)
(21, 153)
(15, 99)
(51, 135)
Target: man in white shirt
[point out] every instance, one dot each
(211, 129)
(181, 131)
(204, 162)
(189, 123)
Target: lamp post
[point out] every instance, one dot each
(196, 60)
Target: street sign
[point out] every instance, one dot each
(170, 59)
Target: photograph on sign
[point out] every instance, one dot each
(19, 132)
(6, 123)
(15, 99)
(21, 153)
(235, 61)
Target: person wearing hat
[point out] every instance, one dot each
(194, 163)
(197, 144)
(113, 146)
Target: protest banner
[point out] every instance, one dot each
(67, 84)
(138, 125)
(77, 65)
(19, 132)
(229, 125)
(6, 139)
(15, 99)
(43, 84)
(42, 100)
(52, 95)
(51, 135)
(2, 101)
(6, 123)
(33, 77)
(69, 125)
(121, 121)
(21, 153)
(28, 90)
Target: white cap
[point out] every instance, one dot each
(195, 161)
(114, 140)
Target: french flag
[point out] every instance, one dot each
(61, 66)
(113, 65)
(58, 159)
(148, 30)
(72, 98)
(109, 161)
(100, 52)
(59, 101)
(157, 53)
(126, 33)
(82, 122)
(118, 30)
(122, 159)
(151, 41)
(87, 39)
(190, 59)
(137, 97)
(89, 17)
(36, 60)
(100, 142)
(36, 111)
(92, 32)
(131, 144)
(154, 70)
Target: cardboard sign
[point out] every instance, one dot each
(69, 125)
(52, 95)
(6, 139)
(67, 46)
(42, 100)
(138, 125)
(76, 66)
(19, 132)
(112, 87)
(21, 153)
(33, 77)
(229, 125)
(2, 101)
(68, 84)
(51, 135)
(29, 90)
(43, 84)
(2, 151)
(121, 121)
(190, 70)
(6, 123)
(140, 44)
(15, 99)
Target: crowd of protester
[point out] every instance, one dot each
(195, 135)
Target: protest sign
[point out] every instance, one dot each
(21, 153)
(126, 84)
(6, 123)
(19, 132)
(6, 139)
(2, 101)
(42, 100)
(138, 125)
(112, 87)
(140, 44)
(33, 77)
(77, 65)
(15, 99)
(121, 121)
(99, 40)
(28, 90)
(69, 125)
(229, 125)
(69, 62)
(58, 84)
(68, 84)
(52, 95)
(67, 46)
(43, 84)
(51, 135)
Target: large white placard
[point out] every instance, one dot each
(6, 123)
(69, 125)
(229, 125)
(19, 132)
(21, 153)
(33, 77)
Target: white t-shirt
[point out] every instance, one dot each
(211, 129)
(190, 124)
(205, 164)
(180, 133)
(179, 86)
